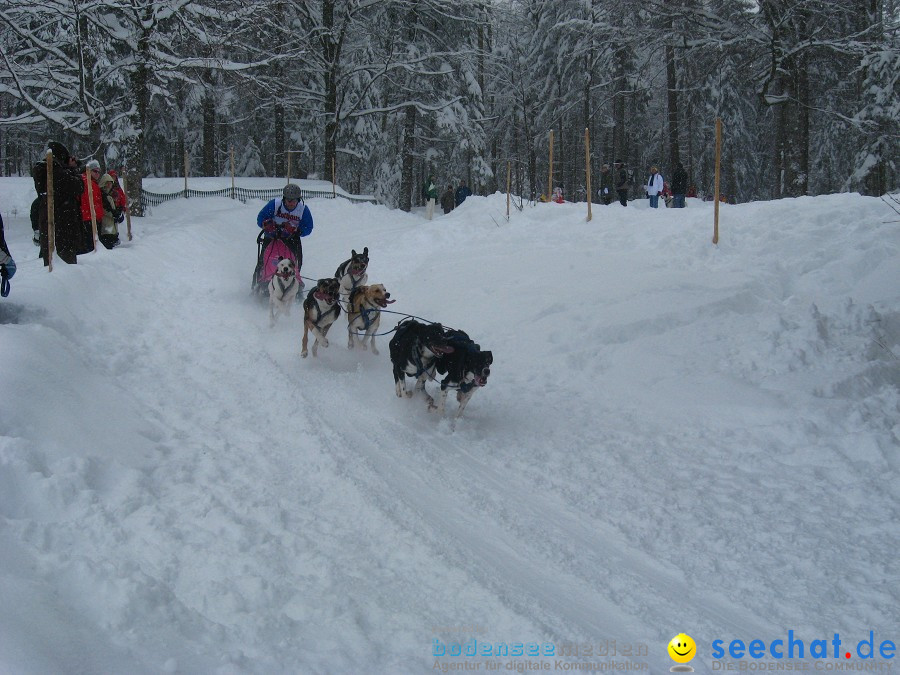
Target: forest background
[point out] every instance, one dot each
(386, 92)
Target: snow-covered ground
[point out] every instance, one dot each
(676, 437)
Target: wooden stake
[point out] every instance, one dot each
(333, 176)
(718, 167)
(508, 183)
(289, 153)
(123, 172)
(51, 213)
(232, 170)
(187, 166)
(550, 175)
(587, 168)
(88, 182)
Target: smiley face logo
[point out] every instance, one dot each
(682, 648)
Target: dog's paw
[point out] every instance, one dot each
(408, 393)
(375, 351)
(323, 342)
(304, 354)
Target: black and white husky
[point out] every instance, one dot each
(351, 274)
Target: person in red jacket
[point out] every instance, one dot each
(92, 170)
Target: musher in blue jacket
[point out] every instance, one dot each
(288, 219)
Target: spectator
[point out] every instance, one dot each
(117, 192)
(667, 194)
(67, 188)
(112, 213)
(448, 202)
(654, 186)
(36, 221)
(558, 195)
(7, 264)
(462, 192)
(621, 180)
(429, 192)
(679, 185)
(606, 185)
(92, 172)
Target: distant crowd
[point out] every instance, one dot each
(85, 200)
(618, 183)
(619, 180)
(450, 198)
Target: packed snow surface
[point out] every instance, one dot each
(675, 437)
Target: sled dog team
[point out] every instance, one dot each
(418, 350)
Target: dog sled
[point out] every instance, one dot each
(269, 251)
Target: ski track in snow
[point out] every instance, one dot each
(270, 514)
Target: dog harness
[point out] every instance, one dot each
(281, 285)
(336, 308)
(365, 313)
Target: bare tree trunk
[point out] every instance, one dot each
(875, 183)
(280, 149)
(209, 135)
(672, 99)
(795, 138)
(330, 51)
(779, 154)
(619, 85)
(135, 146)
(408, 159)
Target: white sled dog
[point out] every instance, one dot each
(283, 289)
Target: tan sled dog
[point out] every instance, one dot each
(364, 314)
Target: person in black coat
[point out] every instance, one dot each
(7, 264)
(36, 221)
(606, 185)
(448, 202)
(67, 188)
(679, 185)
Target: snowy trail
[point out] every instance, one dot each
(685, 439)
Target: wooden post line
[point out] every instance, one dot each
(290, 153)
(587, 168)
(51, 213)
(718, 169)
